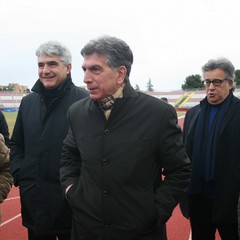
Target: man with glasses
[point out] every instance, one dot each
(211, 135)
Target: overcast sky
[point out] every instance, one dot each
(170, 40)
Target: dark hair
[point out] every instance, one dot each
(221, 63)
(118, 53)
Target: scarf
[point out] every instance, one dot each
(106, 104)
(205, 147)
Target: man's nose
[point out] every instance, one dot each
(46, 69)
(211, 86)
(87, 77)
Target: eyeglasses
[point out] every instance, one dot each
(215, 82)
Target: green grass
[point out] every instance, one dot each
(10, 118)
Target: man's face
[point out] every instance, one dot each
(101, 80)
(52, 71)
(217, 94)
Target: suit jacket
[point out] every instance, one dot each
(115, 166)
(227, 166)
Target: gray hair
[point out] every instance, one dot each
(223, 64)
(55, 48)
(117, 51)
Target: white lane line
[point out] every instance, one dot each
(9, 220)
(12, 198)
(190, 236)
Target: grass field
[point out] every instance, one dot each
(10, 118)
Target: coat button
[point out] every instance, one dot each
(104, 161)
(105, 193)
(106, 131)
(106, 224)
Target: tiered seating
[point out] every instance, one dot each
(172, 96)
(185, 99)
(10, 100)
(237, 92)
(178, 98)
(197, 96)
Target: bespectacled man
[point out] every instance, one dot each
(211, 134)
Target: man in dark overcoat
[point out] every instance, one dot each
(36, 142)
(119, 144)
(211, 135)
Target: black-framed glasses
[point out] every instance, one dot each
(215, 82)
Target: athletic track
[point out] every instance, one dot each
(178, 227)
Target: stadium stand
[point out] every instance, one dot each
(185, 99)
(10, 101)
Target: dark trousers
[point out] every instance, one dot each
(32, 236)
(202, 226)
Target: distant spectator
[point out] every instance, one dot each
(164, 99)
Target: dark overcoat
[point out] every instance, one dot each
(239, 216)
(35, 158)
(4, 129)
(115, 167)
(227, 166)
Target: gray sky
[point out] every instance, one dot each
(170, 39)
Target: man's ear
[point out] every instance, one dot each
(69, 68)
(122, 71)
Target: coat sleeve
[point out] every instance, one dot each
(70, 163)
(4, 129)
(176, 168)
(238, 213)
(5, 175)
